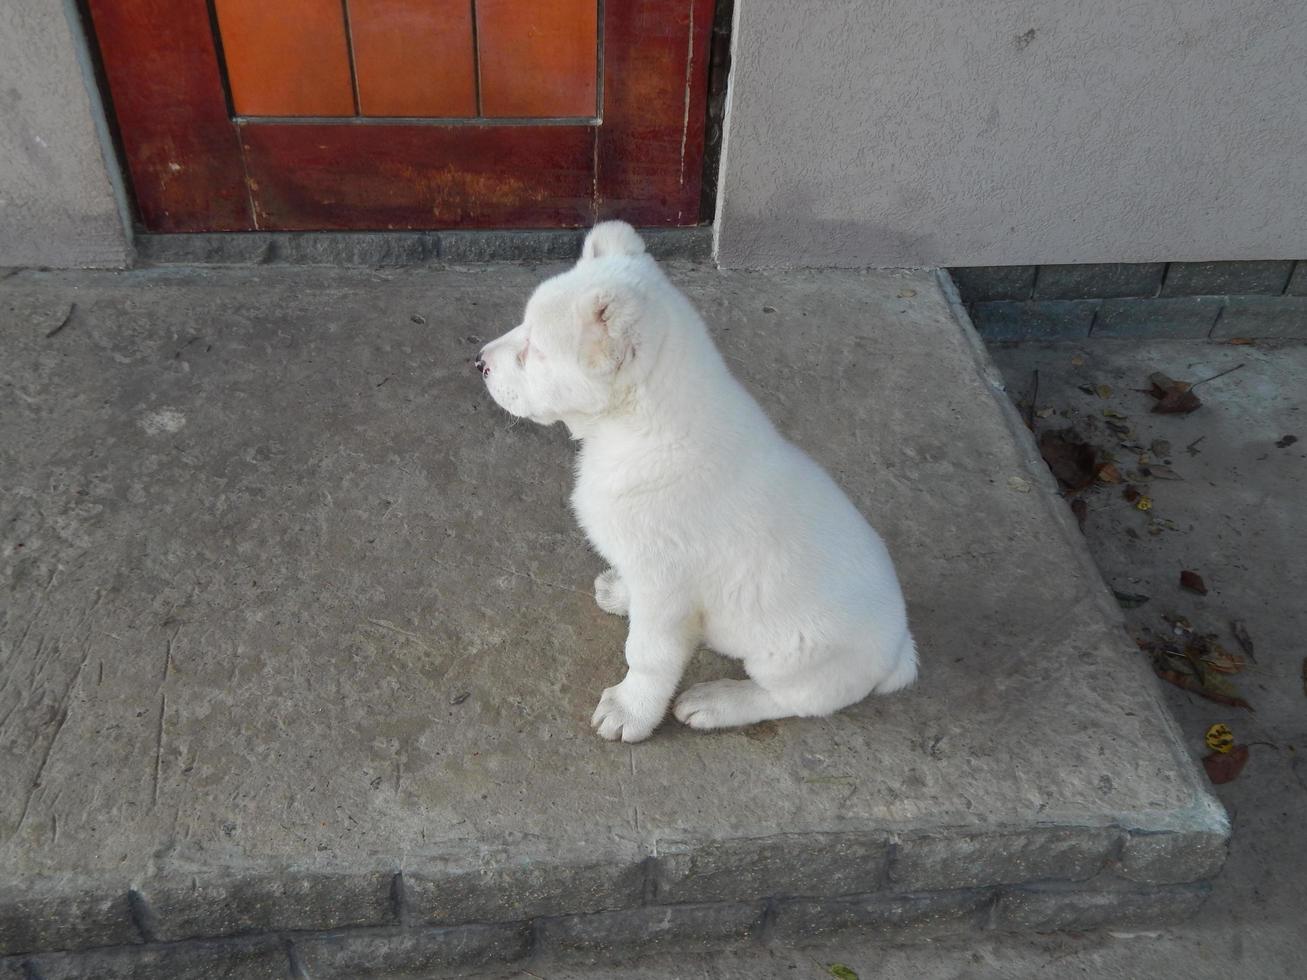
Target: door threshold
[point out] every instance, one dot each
(377, 249)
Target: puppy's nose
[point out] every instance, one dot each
(480, 364)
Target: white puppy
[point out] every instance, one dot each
(717, 530)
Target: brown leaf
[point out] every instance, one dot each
(1177, 402)
(1240, 632)
(1242, 341)
(1081, 510)
(1130, 492)
(1224, 766)
(1108, 473)
(1103, 391)
(1212, 688)
(1072, 460)
(1193, 582)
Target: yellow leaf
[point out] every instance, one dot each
(1144, 502)
(1219, 738)
(1104, 391)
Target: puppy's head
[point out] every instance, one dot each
(573, 355)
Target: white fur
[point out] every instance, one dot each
(718, 531)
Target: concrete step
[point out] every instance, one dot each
(299, 649)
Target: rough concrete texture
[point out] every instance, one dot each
(954, 133)
(1238, 515)
(57, 203)
(291, 609)
(391, 248)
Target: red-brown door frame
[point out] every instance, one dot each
(194, 167)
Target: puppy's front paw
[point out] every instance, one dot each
(627, 713)
(610, 593)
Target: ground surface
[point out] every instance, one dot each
(284, 590)
(1241, 518)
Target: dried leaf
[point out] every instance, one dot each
(1219, 738)
(1081, 510)
(1242, 341)
(841, 972)
(1130, 600)
(907, 293)
(1240, 632)
(1223, 767)
(1193, 582)
(1143, 459)
(1130, 492)
(1164, 473)
(1072, 460)
(1078, 361)
(1103, 391)
(1144, 502)
(1112, 413)
(1108, 473)
(1177, 402)
(1019, 484)
(1213, 688)
(1218, 658)
(1160, 448)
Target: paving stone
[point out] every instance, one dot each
(1220, 278)
(1053, 907)
(882, 918)
(978, 284)
(1171, 858)
(831, 864)
(245, 959)
(1298, 280)
(1263, 316)
(503, 891)
(688, 928)
(1035, 320)
(412, 953)
(964, 860)
(64, 913)
(204, 905)
(1177, 317)
(1098, 281)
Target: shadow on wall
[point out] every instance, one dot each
(789, 235)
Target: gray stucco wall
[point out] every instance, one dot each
(951, 132)
(57, 200)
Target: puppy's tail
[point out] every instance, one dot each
(905, 668)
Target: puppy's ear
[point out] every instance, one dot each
(607, 315)
(611, 238)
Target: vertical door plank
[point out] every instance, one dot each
(650, 152)
(165, 85)
(414, 57)
(286, 57)
(538, 59)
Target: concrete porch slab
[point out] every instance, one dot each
(297, 641)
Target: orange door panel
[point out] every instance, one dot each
(414, 57)
(286, 57)
(537, 59)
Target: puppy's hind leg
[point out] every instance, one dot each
(611, 594)
(727, 704)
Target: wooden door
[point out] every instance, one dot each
(242, 115)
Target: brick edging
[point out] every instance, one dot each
(1178, 300)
